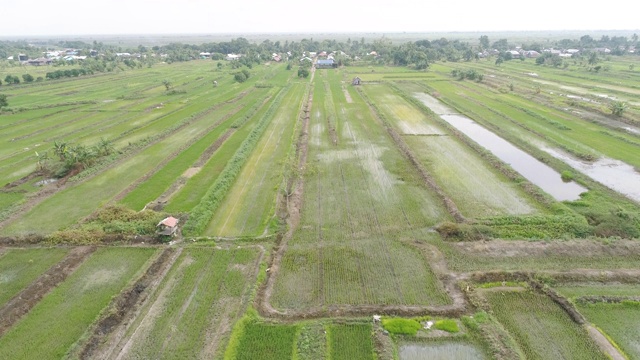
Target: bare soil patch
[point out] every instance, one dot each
(347, 96)
(23, 302)
(191, 171)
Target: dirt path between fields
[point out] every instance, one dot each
(23, 302)
(604, 344)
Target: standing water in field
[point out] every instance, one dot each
(439, 351)
(531, 168)
(611, 173)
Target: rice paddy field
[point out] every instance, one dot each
(308, 207)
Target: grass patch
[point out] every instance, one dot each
(401, 326)
(20, 267)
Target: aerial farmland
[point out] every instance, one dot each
(478, 209)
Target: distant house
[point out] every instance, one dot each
(531, 54)
(168, 226)
(205, 55)
(39, 62)
(326, 64)
(356, 81)
(233, 57)
(514, 54)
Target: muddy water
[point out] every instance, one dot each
(611, 173)
(531, 168)
(439, 351)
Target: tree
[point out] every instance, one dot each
(167, 84)
(240, 77)
(10, 79)
(302, 72)
(3, 101)
(484, 42)
(617, 107)
(27, 78)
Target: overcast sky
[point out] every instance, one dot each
(86, 17)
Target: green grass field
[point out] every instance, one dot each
(59, 320)
(19, 267)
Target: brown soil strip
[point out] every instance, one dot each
(126, 306)
(424, 174)
(191, 172)
(206, 155)
(23, 302)
(159, 203)
(347, 96)
(21, 181)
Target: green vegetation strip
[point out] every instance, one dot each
(201, 215)
(58, 321)
(20, 267)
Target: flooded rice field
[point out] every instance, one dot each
(439, 351)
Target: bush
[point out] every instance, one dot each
(567, 176)
(448, 325)
(240, 77)
(303, 73)
(401, 326)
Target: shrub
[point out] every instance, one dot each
(240, 77)
(448, 325)
(567, 176)
(401, 326)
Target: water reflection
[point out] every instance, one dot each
(612, 173)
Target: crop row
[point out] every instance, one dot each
(197, 299)
(250, 203)
(202, 213)
(347, 248)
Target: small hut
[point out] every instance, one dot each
(168, 226)
(356, 81)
